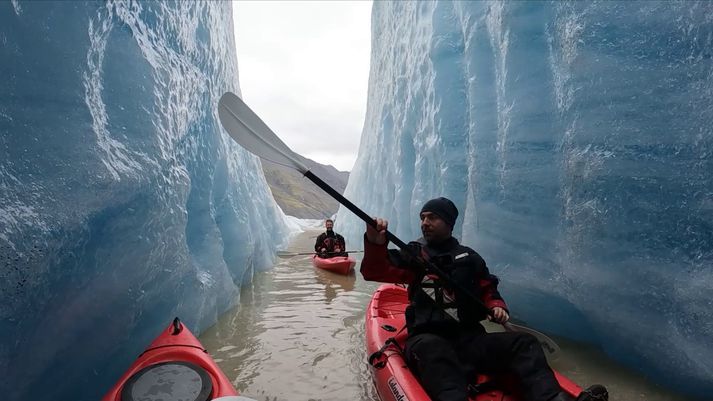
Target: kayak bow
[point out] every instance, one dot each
(174, 367)
(336, 264)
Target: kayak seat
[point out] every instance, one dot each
(169, 381)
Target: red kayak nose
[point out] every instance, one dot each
(174, 367)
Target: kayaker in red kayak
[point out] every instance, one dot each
(329, 243)
(444, 330)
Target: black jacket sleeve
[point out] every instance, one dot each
(319, 243)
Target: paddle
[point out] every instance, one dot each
(282, 254)
(250, 132)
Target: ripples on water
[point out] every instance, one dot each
(298, 335)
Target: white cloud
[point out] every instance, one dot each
(304, 68)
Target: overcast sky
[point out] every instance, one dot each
(304, 69)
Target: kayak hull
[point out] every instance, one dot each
(175, 357)
(338, 264)
(393, 380)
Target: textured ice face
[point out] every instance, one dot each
(576, 140)
(122, 202)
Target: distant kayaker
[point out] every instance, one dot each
(444, 330)
(329, 243)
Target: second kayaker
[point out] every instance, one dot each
(329, 243)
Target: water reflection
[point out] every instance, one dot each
(334, 283)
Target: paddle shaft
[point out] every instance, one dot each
(352, 207)
(290, 254)
(549, 346)
(393, 238)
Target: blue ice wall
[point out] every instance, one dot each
(122, 201)
(576, 139)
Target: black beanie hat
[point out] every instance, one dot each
(443, 208)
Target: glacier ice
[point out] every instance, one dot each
(576, 139)
(122, 203)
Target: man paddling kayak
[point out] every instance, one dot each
(444, 330)
(329, 243)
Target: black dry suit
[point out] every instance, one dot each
(435, 307)
(330, 240)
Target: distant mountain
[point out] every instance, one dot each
(298, 196)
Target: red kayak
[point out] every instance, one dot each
(394, 381)
(174, 367)
(337, 264)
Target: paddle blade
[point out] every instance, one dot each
(550, 348)
(250, 132)
(281, 254)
